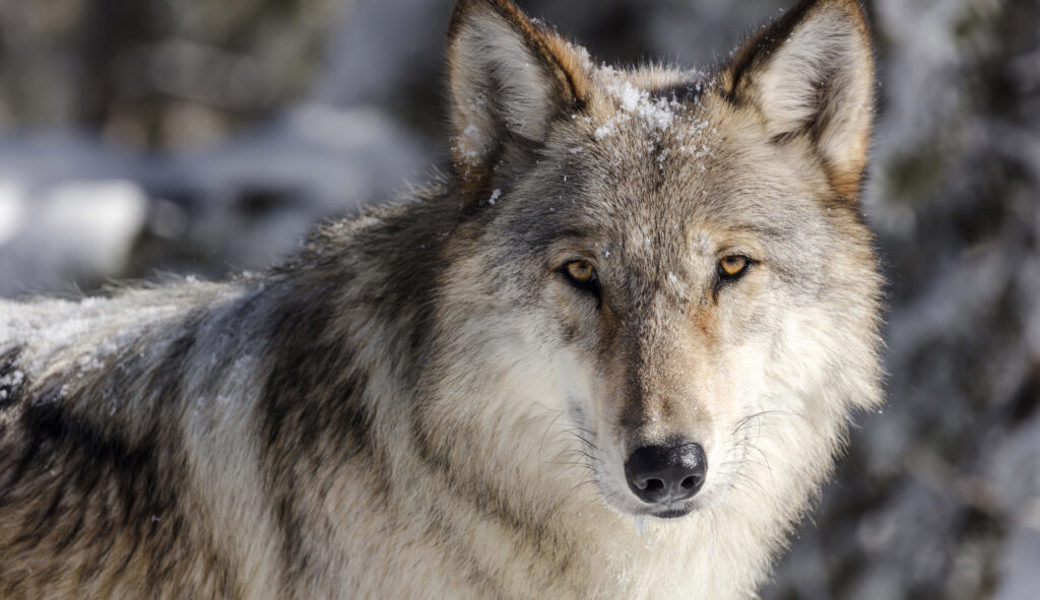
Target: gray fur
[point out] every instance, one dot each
(419, 404)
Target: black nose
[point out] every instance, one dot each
(663, 474)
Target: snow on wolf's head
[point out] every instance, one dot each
(662, 269)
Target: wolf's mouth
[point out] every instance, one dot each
(672, 513)
(672, 510)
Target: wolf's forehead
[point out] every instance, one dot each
(651, 166)
(650, 136)
(651, 106)
(656, 81)
(674, 225)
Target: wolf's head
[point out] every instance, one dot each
(671, 262)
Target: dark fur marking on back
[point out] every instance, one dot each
(12, 380)
(96, 485)
(313, 417)
(413, 298)
(56, 436)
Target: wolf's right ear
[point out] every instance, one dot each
(508, 79)
(812, 73)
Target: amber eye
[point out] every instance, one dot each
(582, 275)
(733, 266)
(580, 271)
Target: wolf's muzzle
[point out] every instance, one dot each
(666, 474)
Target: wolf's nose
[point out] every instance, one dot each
(663, 474)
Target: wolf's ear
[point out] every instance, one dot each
(508, 78)
(812, 73)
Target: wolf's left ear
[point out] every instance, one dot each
(508, 79)
(812, 73)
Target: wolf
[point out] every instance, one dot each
(612, 354)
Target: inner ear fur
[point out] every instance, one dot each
(508, 78)
(812, 73)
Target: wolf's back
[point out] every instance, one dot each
(95, 485)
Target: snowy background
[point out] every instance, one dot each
(205, 136)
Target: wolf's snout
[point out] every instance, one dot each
(664, 474)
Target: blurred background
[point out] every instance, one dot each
(204, 137)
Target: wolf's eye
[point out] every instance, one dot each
(582, 275)
(732, 267)
(581, 271)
